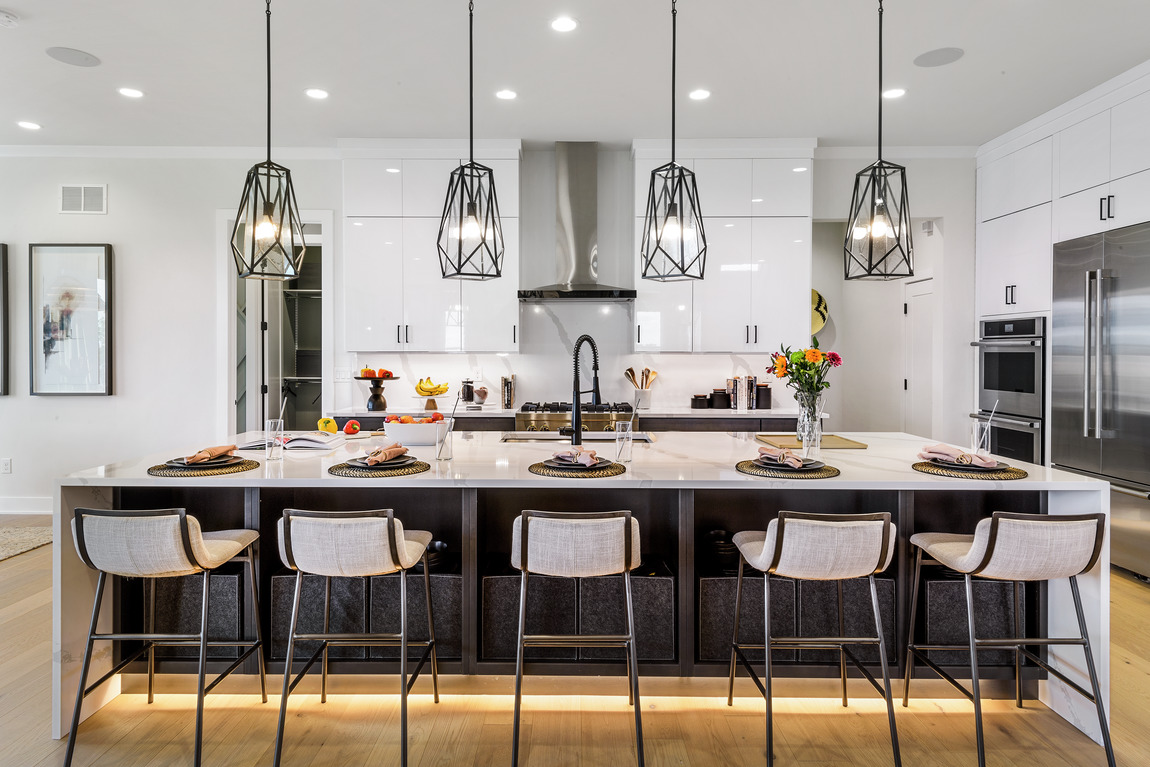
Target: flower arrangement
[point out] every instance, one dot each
(804, 369)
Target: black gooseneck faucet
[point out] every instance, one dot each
(576, 412)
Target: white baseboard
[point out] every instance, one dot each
(26, 505)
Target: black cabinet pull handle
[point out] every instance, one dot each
(748, 329)
(1110, 206)
(514, 334)
(638, 334)
(1101, 208)
(407, 334)
(398, 337)
(756, 333)
(1006, 296)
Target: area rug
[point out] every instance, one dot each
(17, 540)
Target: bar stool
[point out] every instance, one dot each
(576, 545)
(353, 544)
(1018, 548)
(817, 547)
(159, 543)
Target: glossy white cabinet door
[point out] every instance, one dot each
(425, 187)
(1129, 127)
(1082, 213)
(724, 187)
(780, 283)
(369, 189)
(506, 175)
(373, 284)
(723, 298)
(1015, 263)
(431, 304)
(783, 190)
(1084, 154)
(662, 310)
(1129, 201)
(1017, 181)
(491, 307)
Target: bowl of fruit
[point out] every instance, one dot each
(375, 374)
(410, 430)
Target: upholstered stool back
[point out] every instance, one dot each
(354, 543)
(575, 546)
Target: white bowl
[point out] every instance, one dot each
(409, 434)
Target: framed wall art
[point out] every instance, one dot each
(4, 329)
(70, 313)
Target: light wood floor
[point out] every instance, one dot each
(686, 722)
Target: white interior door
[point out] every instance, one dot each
(918, 353)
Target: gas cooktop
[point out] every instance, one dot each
(565, 407)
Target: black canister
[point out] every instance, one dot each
(720, 399)
(763, 397)
(700, 401)
(467, 390)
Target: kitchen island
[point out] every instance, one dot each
(682, 487)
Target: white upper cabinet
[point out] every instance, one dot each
(491, 307)
(432, 311)
(662, 310)
(1020, 180)
(643, 168)
(373, 284)
(725, 187)
(1014, 265)
(780, 188)
(425, 187)
(1083, 213)
(1084, 155)
(1129, 200)
(723, 297)
(373, 188)
(1129, 129)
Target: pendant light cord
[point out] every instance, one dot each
(269, 52)
(880, 80)
(674, 47)
(471, 80)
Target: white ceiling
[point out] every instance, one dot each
(395, 69)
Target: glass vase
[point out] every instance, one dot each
(809, 429)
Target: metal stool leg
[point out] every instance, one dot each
(152, 647)
(403, 667)
(84, 668)
(910, 659)
(974, 674)
(885, 673)
(431, 629)
(287, 669)
(519, 668)
(326, 629)
(203, 671)
(1017, 648)
(1093, 672)
(735, 636)
(258, 617)
(842, 652)
(633, 667)
(767, 667)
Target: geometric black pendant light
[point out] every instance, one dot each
(674, 244)
(267, 239)
(878, 241)
(470, 240)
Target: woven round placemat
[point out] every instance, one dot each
(610, 470)
(171, 471)
(1010, 472)
(752, 468)
(345, 470)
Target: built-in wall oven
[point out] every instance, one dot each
(1012, 385)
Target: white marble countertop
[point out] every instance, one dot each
(673, 460)
(655, 411)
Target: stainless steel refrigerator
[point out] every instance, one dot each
(1100, 334)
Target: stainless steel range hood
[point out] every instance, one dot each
(576, 230)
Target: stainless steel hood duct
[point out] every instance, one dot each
(576, 230)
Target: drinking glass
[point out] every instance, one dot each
(980, 437)
(274, 439)
(623, 440)
(445, 435)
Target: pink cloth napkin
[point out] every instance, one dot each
(955, 455)
(208, 453)
(386, 453)
(575, 454)
(780, 455)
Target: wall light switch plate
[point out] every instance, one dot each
(5, 465)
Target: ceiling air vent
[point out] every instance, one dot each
(84, 198)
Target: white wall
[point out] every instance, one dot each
(161, 225)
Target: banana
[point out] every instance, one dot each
(428, 388)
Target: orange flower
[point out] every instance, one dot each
(780, 367)
(814, 355)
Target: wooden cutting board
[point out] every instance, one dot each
(791, 442)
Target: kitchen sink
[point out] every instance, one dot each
(554, 436)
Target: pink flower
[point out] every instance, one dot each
(835, 359)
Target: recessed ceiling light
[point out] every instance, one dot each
(132, 93)
(894, 93)
(800, 169)
(74, 57)
(316, 93)
(506, 94)
(939, 57)
(28, 125)
(699, 94)
(393, 170)
(564, 24)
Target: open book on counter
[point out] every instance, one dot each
(308, 440)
